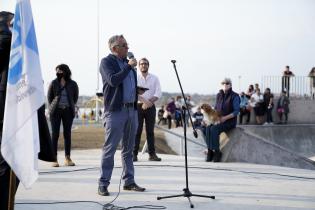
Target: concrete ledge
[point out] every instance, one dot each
(243, 145)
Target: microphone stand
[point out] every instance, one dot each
(186, 190)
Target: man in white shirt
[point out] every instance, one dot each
(146, 108)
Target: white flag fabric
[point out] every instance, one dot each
(24, 96)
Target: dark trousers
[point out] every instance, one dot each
(5, 183)
(269, 115)
(169, 121)
(163, 120)
(244, 111)
(148, 116)
(212, 134)
(66, 116)
(285, 117)
(286, 84)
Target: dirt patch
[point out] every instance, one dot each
(92, 137)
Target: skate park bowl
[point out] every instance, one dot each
(281, 145)
(291, 145)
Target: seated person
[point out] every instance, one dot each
(244, 108)
(228, 105)
(198, 118)
(160, 116)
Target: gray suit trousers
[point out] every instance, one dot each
(119, 125)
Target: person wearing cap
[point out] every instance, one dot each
(146, 108)
(228, 105)
(120, 113)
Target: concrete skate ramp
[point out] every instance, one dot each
(272, 145)
(298, 138)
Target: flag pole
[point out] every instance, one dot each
(97, 63)
(12, 190)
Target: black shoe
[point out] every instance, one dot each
(217, 156)
(209, 156)
(154, 157)
(102, 190)
(135, 158)
(134, 187)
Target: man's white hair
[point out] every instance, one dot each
(113, 41)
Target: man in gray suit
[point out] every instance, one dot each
(120, 112)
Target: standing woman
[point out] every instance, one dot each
(257, 102)
(268, 104)
(283, 107)
(62, 96)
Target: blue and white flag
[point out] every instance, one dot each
(24, 96)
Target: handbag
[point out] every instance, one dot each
(54, 102)
(280, 110)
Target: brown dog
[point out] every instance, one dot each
(212, 115)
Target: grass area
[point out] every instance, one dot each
(92, 137)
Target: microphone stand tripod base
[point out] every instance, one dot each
(186, 194)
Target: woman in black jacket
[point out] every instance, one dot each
(62, 96)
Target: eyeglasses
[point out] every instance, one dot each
(123, 45)
(225, 83)
(144, 64)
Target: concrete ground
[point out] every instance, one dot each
(235, 185)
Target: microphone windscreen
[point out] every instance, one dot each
(130, 55)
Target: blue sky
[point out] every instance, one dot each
(240, 39)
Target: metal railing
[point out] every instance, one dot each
(299, 86)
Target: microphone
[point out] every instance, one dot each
(130, 55)
(173, 61)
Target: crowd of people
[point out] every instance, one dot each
(176, 110)
(252, 102)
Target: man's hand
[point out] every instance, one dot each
(132, 62)
(146, 104)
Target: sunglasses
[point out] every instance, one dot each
(225, 83)
(123, 45)
(144, 64)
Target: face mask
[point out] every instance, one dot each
(59, 76)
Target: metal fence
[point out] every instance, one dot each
(300, 86)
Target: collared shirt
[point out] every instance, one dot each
(129, 85)
(152, 82)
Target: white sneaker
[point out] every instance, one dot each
(265, 123)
